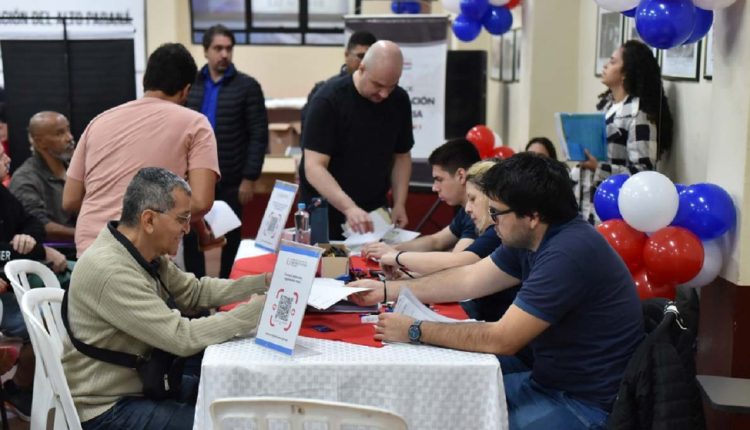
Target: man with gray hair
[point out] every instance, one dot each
(357, 139)
(119, 300)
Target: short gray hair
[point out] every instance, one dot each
(151, 188)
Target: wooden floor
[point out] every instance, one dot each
(212, 269)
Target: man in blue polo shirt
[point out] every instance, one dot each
(450, 162)
(577, 308)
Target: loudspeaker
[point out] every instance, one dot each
(465, 92)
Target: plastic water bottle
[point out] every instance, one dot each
(302, 225)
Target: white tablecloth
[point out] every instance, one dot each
(432, 388)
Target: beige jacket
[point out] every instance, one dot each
(114, 303)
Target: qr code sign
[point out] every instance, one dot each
(285, 305)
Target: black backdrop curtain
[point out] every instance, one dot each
(78, 78)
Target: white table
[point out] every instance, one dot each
(432, 388)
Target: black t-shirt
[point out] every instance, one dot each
(361, 138)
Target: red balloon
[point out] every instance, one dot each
(673, 255)
(483, 138)
(627, 242)
(512, 3)
(648, 289)
(503, 152)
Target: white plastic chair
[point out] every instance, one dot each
(18, 271)
(297, 412)
(41, 311)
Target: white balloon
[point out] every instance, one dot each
(618, 5)
(498, 140)
(713, 259)
(648, 201)
(499, 2)
(713, 4)
(452, 6)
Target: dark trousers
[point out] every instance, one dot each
(146, 414)
(195, 261)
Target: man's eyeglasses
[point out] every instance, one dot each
(494, 213)
(182, 219)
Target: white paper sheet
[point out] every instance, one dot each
(326, 292)
(399, 235)
(381, 223)
(221, 218)
(408, 304)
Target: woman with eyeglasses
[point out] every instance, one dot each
(638, 120)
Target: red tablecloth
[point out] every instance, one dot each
(344, 327)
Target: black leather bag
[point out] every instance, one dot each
(161, 375)
(160, 372)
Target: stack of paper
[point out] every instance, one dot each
(383, 229)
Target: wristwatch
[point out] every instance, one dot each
(415, 332)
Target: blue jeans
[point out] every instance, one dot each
(531, 406)
(142, 413)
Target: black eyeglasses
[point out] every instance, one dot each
(494, 213)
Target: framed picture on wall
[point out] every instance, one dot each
(495, 55)
(517, 41)
(681, 63)
(708, 58)
(508, 53)
(631, 33)
(608, 37)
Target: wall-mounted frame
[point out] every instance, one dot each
(517, 45)
(681, 63)
(507, 65)
(631, 33)
(608, 37)
(495, 57)
(708, 57)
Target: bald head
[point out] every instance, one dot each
(49, 134)
(380, 71)
(384, 55)
(41, 122)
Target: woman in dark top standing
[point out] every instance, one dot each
(638, 120)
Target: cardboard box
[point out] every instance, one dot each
(274, 167)
(282, 135)
(332, 266)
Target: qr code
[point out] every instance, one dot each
(285, 305)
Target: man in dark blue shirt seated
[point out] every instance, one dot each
(577, 309)
(450, 163)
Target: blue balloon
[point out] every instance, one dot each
(497, 20)
(703, 20)
(466, 29)
(605, 198)
(412, 7)
(629, 12)
(707, 210)
(665, 24)
(680, 187)
(397, 6)
(474, 9)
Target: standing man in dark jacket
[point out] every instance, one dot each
(235, 107)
